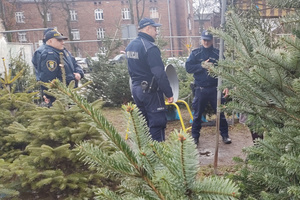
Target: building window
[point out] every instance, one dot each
(125, 13)
(189, 7)
(75, 34)
(98, 14)
(190, 25)
(20, 17)
(48, 17)
(100, 33)
(153, 13)
(73, 15)
(22, 37)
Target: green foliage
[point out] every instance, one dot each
(12, 107)
(148, 169)
(265, 75)
(7, 193)
(37, 147)
(49, 166)
(17, 65)
(110, 80)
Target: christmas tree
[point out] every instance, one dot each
(148, 169)
(37, 147)
(265, 80)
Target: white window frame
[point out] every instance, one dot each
(19, 17)
(73, 15)
(100, 33)
(154, 13)
(125, 13)
(189, 24)
(22, 37)
(76, 34)
(99, 14)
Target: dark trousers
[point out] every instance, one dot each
(152, 106)
(203, 96)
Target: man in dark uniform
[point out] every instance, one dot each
(37, 54)
(198, 63)
(149, 79)
(49, 60)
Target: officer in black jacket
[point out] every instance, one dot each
(49, 60)
(37, 54)
(198, 63)
(149, 79)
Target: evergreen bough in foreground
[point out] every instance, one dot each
(148, 169)
(265, 75)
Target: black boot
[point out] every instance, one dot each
(226, 140)
(196, 141)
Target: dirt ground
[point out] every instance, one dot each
(239, 134)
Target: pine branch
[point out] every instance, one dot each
(105, 194)
(229, 192)
(175, 166)
(95, 157)
(108, 129)
(270, 58)
(240, 33)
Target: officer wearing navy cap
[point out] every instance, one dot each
(149, 79)
(199, 63)
(49, 60)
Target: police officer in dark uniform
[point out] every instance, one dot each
(149, 79)
(49, 60)
(198, 63)
(37, 54)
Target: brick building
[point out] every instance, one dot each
(88, 22)
(204, 22)
(264, 10)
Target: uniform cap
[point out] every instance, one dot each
(206, 35)
(48, 29)
(147, 22)
(54, 34)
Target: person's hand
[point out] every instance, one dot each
(170, 99)
(77, 76)
(47, 101)
(226, 92)
(207, 65)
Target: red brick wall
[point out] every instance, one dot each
(87, 25)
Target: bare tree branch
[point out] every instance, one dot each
(43, 7)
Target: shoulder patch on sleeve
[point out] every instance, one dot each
(51, 65)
